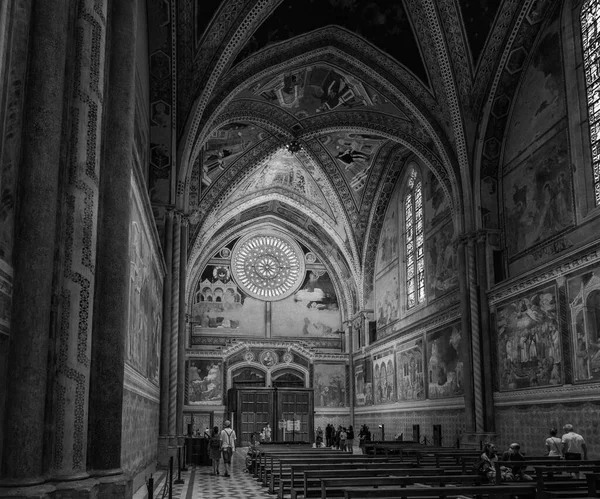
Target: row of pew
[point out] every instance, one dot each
(411, 471)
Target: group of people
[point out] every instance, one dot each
(571, 446)
(341, 438)
(221, 444)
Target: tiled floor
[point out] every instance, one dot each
(199, 484)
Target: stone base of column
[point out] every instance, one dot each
(75, 489)
(37, 491)
(476, 440)
(120, 485)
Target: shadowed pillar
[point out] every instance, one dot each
(174, 333)
(35, 238)
(182, 327)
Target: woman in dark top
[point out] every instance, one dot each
(363, 437)
(350, 439)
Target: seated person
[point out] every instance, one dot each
(514, 454)
(319, 443)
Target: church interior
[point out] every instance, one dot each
(295, 213)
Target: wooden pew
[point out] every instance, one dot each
(521, 489)
(331, 487)
(311, 478)
(593, 484)
(267, 455)
(566, 487)
(529, 461)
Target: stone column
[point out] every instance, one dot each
(182, 327)
(110, 324)
(165, 347)
(76, 280)
(268, 332)
(350, 390)
(174, 333)
(465, 316)
(35, 245)
(486, 333)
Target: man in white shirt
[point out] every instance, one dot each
(227, 445)
(573, 444)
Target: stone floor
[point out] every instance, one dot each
(199, 484)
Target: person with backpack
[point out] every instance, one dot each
(214, 450)
(227, 445)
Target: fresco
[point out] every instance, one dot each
(387, 297)
(383, 380)
(330, 385)
(444, 362)
(584, 302)
(145, 302)
(538, 196)
(312, 311)
(354, 153)
(442, 262)
(387, 251)
(436, 203)
(409, 371)
(363, 385)
(528, 341)
(540, 103)
(224, 307)
(284, 170)
(227, 143)
(205, 378)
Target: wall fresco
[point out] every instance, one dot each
(330, 385)
(205, 381)
(221, 306)
(538, 196)
(528, 341)
(383, 379)
(442, 263)
(445, 362)
(387, 297)
(410, 374)
(436, 203)
(584, 303)
(312, 311)
(387, 251)
(363, 382)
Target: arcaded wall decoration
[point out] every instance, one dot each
(583, 292)
(205, 378)
(528, 343)
(384, 375)
(442, 262)
(410, 370)
(445, 362)
(329, 385)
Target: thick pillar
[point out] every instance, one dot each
(110, 324)
(174, 334)
(76, 280)
(465, 316)
(35, 238)
(182, 327)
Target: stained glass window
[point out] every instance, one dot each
(415, 254)
(590, 34)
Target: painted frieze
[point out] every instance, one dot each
(445, 362)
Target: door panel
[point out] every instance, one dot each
(254, 413)
(295, 406)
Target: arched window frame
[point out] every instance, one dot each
(413, 212)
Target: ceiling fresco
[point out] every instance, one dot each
(316, 89)
(226, 144)
(478, 17)
(384, 24)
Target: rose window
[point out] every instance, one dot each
(269, 267)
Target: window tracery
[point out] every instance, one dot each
(415, 254)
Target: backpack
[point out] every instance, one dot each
(215, 442)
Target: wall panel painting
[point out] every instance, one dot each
(445, 362)
(387, 251)
(205, 378)
(330, 385)
(410, 375)
(538, 196)
(363, 387)
(222, 307)
(383, 379)
(528, 341)
(584, 303)
(312, 311)
(442, 262)
(436, 203)
(387, 296)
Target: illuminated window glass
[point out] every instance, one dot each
(590, 34)
(415, 254)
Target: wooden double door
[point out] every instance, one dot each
(289, 411)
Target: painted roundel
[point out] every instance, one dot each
(269, 267)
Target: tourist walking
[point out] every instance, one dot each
(214, 449)
(554, 444)
(227, 445)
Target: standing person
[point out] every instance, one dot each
(573, 447)
(343, 439)
(214, 449)
(227, 445)
(268, 433)
(328, 435)
(350, 439)
(336, 437)
(554, 444)
(319, 433)
(363, 437)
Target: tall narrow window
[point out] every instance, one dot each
(415, 263)
(590, 35)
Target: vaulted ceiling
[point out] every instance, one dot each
(362, 85)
